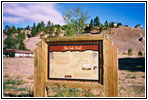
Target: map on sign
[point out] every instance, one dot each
(74, 62)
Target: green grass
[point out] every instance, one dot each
(11, 85)
(13, 82)
(68, 92)
(133, 77)
(21, 89)
(124, 53)
(64, 92)
(10, 82)
(6, 76)
(59, 91)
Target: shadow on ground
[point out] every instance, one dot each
(132, 64)
(20, 95)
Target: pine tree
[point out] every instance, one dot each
(19, 29)
(39, 28)
(52, 28)
(33, 33)
(6, 28)
(101, 28)
(106, 24)
(11, 42)
(42, 25)
(91, 25)
(119, 24)
(23, 36)
(28, 27)
(49, 24)
(9, 31)
(112, 24)
(96, 22)
(58, 30)
(22, 46)
(13, 30)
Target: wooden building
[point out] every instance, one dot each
(18, 53)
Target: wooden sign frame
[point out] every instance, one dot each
(108, 66)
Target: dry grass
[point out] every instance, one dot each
(18, 79)
(131, 84)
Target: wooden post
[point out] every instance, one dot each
(105, 76)
(40, 69)
(110, 69)
(115, 71)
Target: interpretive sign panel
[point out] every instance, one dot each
(74, 61)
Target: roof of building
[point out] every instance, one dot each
(17, 51)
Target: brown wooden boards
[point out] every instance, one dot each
(110, 69)
(115, 72)
(75, 38)
(40, 70)
(76, 62)
(74, 84)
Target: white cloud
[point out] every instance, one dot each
(34, 12)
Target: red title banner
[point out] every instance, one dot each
(74, 48)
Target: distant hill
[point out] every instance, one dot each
(126, 37)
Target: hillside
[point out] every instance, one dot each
(31, 42)
(123, 38)
(126, 37)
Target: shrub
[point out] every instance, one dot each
(12, 54)
(140, 53)
(130, 51)
(124, 53)
(133, 77)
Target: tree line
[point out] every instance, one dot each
(14, 38)
(75, 24)
(76, 19)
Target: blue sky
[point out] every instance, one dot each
(22, 14)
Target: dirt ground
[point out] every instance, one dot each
(18, 77)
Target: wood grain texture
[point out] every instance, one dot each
(109, 66)
(110, 69)
(75, 84)
(115, 72)
(105, 67)
(75, 38)
(40, 70)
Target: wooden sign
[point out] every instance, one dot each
(74, 62)
(85, 62)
